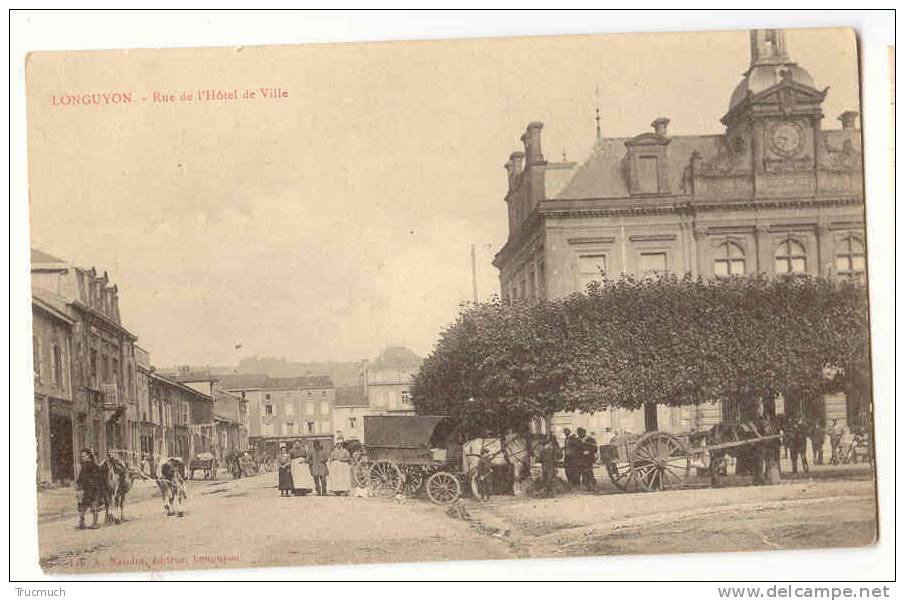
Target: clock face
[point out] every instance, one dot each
(786, 139)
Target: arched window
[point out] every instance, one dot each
(791, 257)
(730, 260)
(850, 259)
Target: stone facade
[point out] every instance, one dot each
(51, 348)
(773, 193)
(104, 408)
(282, 410)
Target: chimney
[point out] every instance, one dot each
(514, 167)
(660, 124)
(531, 138)
(848, 119)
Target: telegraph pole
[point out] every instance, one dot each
(474, 276)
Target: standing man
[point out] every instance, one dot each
(318, 465)
(571, 452)
(90, 487)
(587, 446)
(818, 435)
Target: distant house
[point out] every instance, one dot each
(349, 410)
(220, 425)
(283, 410)
(387, 380)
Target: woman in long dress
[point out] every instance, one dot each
(285, 481)
(301, 474)
(340, 468)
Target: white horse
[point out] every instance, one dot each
(512, 450)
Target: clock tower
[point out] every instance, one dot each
(774, 120)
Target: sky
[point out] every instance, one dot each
(332, 222)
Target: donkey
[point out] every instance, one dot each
(119, 479)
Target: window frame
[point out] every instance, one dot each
(724, 257)
(849, 253)
(784, 253)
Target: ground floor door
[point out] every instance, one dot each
(61, 451)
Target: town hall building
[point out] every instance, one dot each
(774, 193)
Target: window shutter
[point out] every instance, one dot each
(40, 361)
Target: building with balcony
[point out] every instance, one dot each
(102, 380)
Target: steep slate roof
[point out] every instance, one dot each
(39, 256)
(350, 396)
(243, 381)
(301, 382)
(51, 299)
(603, 174)
(265, 382)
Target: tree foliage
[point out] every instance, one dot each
(662, 340)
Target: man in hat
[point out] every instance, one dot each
(571, 453)
(587, 446)
(90, 487)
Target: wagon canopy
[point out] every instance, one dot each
(408, 431)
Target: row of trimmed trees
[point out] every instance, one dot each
(666, 340)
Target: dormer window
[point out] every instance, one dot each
(646, 160)
(647, 171)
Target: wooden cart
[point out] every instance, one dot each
(404, 454)
(206, 463)
(660, 460)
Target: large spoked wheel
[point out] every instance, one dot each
(414, 479)
(621, 474)
(443, 488)
(361, 473)
(660, 461)
(385, 479)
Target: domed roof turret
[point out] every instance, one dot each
(770, 64)
(763, 77)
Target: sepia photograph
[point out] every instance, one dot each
(499, 298)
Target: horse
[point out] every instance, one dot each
(118, 480)
(750, 457)
(233, 465)
(513, 450)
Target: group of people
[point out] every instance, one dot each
(321, 464)
(579, 456)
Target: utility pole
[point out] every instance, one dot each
(474, 276)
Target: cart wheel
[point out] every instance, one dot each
(443, 488)
(385, 479)
(361, 472)
(660, 461)
(621, 474)
(414, 479)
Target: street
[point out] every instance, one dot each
(245, 523)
